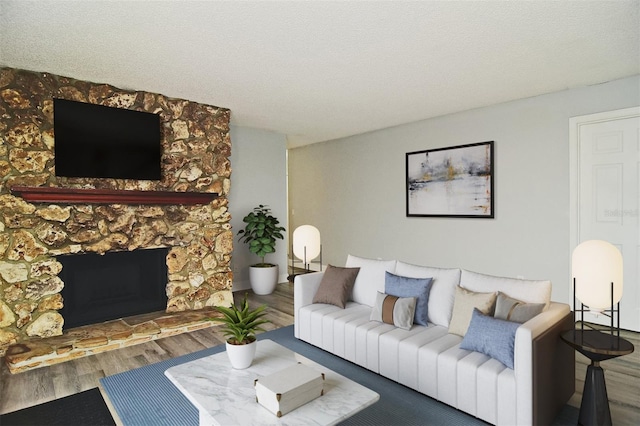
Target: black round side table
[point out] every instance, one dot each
(597, 346)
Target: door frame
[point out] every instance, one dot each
(574, 171)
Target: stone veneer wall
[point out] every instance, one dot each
(196, 148)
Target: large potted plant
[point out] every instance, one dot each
(260, 233)
(240, 325)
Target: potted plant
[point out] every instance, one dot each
(240, 325)
(260, 233)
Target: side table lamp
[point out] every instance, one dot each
(597, 284)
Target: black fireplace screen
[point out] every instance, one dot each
(100, 288)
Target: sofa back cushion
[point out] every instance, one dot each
(443, 289)
(370, 279)
(529, 291)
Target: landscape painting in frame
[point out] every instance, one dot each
(451, 182)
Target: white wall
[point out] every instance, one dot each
(353, 189)
(258, 176)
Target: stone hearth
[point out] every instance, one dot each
(92, 339)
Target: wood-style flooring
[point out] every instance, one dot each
(44, 384)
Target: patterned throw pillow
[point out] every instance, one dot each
(398, 311)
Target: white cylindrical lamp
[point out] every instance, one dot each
(306, 243)
(595, 265)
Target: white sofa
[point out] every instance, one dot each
(428, 358)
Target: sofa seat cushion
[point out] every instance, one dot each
(310, 321)
(477, 384)
(442, 291)
(317, 322)
(367, 342)
(398, 358)
(428, 355)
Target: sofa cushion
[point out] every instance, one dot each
(443, 289)
(515, 310)
(370, 279)
(530, 291)
(336, 285)
(394, 310)
(491, 336)
(463, 307)
(400, 286)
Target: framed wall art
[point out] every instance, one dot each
(451, 182)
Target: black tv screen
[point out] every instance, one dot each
(95, 141)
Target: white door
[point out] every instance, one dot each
(606, 194)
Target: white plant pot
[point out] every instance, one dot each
(241, 356)
(263, 280)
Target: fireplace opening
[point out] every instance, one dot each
(99, 288)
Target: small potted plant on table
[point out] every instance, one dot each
(240, 325)
(260, 233)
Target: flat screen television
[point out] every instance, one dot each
(95, 141)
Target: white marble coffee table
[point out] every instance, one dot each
(225, 396)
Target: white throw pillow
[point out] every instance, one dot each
(370, 279)
(530, 291)
(443, 289)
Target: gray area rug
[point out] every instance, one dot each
(145, 396)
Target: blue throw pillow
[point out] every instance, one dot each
(398, 286)
(491, 336)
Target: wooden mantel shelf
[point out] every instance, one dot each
(109, 196)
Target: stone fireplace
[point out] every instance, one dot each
(35, 234)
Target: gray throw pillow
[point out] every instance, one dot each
(515, 310)
(336, 286)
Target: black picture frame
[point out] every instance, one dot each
(456, 181)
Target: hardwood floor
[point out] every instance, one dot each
(44, 384)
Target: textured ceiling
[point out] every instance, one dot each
(317, 71)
